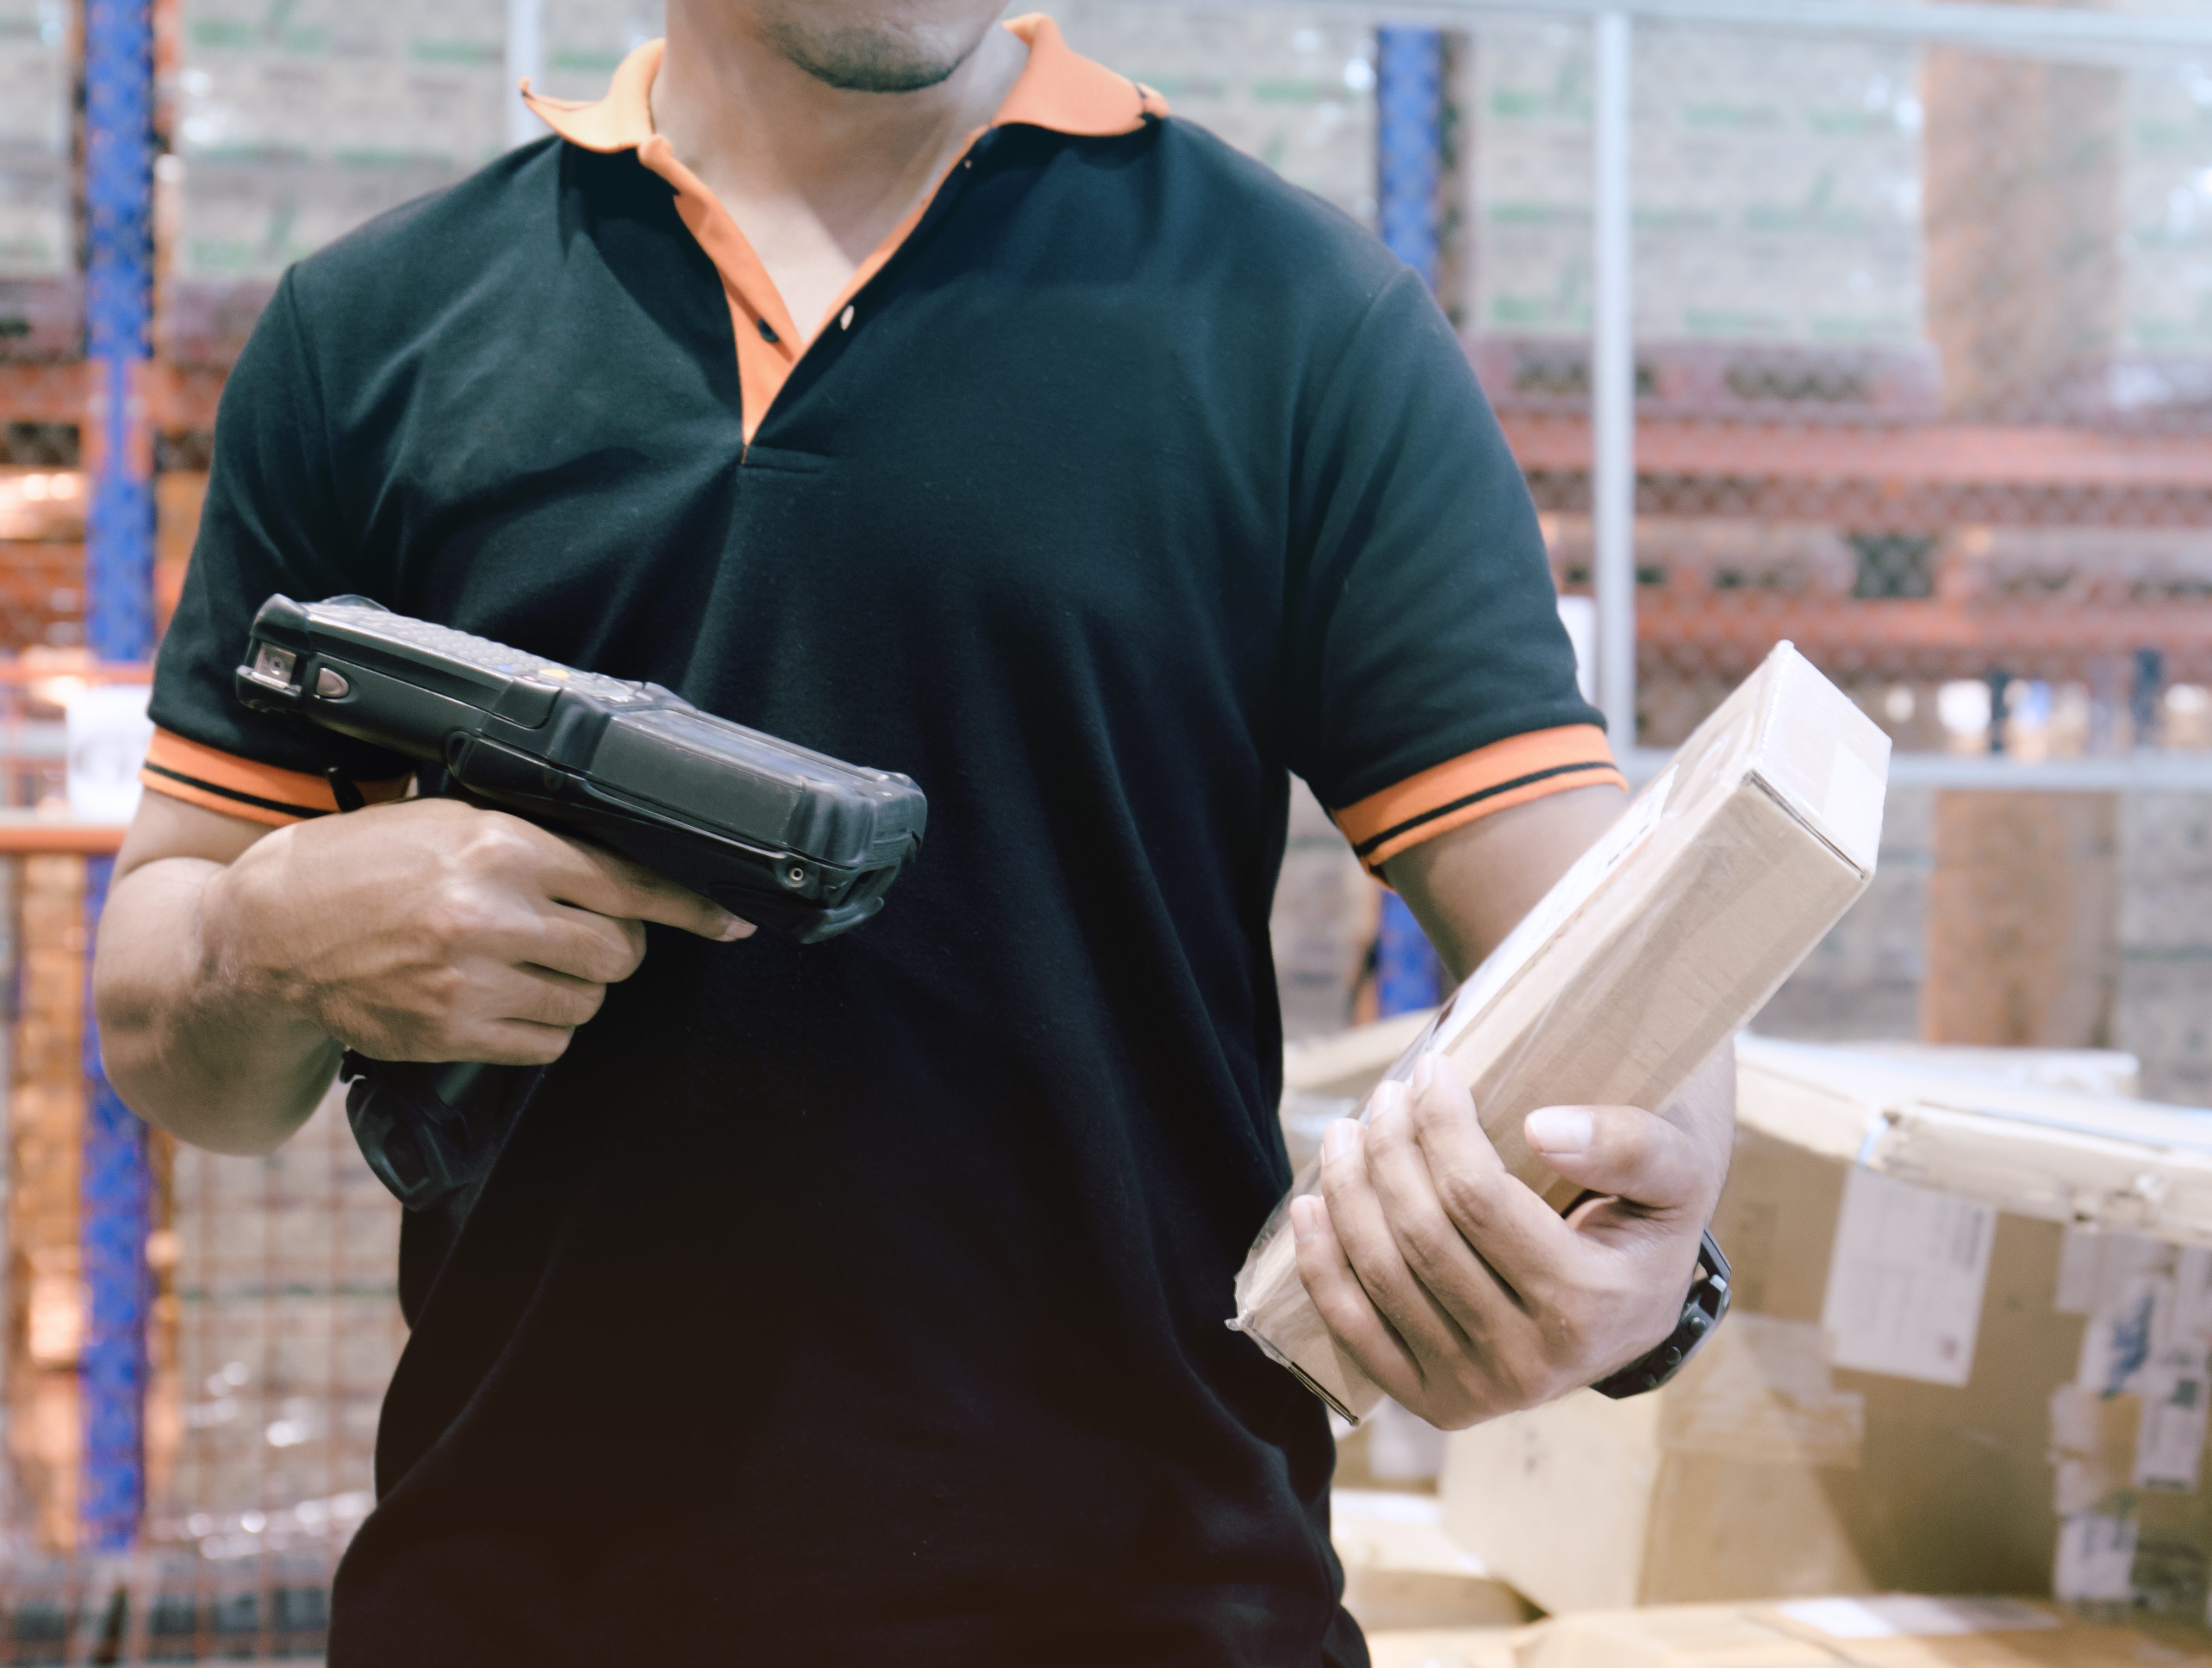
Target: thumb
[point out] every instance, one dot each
(1624, 1151)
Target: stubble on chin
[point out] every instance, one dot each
(859, 58)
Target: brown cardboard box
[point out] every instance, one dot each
(1763, 1469)
(1664, 938)
(1892, 1632)
(1448, 1647)
(1401, 1570)
(1960, 1390)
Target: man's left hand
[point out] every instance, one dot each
(1459, 1290)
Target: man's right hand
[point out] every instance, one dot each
(235, 961)
(433, 930)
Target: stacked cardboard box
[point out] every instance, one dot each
(1777, 220)
(2023, 215)
(1974, 1360)
(2022, 907)
(46, 1119)
(39, 295)
(289, 1329)
(1896, 1631)
(178, 497)
(297, 123)
(2160, 361)
(2070, 212)
(1291, 85)
(1402, 1570)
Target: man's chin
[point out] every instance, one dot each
(869, 60)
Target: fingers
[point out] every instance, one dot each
(1362, 1230)
(1704, 1109)
(609, 883)
(589, 877)
(1344, 1305)
(1447, 1266)
(1624, 1151)
(602, 949)
(1509, 1228)
(533, 996)
(517, 1042)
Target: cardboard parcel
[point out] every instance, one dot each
(1969, 1353)
(1895, 1631)
(1664, 938)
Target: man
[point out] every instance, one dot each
(910, 387)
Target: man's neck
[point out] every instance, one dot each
(815, 175)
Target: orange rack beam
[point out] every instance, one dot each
(177, 397)
(1936, 454)
(25, 834)
(1924, 475)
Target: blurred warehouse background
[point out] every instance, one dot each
(1907, 323)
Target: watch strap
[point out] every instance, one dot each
(1702, 1310)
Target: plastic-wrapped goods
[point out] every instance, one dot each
(289, 1329)
(1666, 937)
(46, 1142)
(1291, 85)
(582, 41)
(2162, 357)
(297, 123)
(1779, 245)
(40, 295)
(36, 238)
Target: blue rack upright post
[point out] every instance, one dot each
(1409, 97)
(116, 1190)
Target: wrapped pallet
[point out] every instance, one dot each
(41, 297)
(1666, 935)
(288, 1330)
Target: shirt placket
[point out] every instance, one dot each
(768, 340)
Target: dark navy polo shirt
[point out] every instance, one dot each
(863, 1302)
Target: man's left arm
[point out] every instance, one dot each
(1461, 1293)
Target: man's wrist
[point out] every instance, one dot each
(1703, 1310)
(237, 921)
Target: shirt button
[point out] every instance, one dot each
(845, 320)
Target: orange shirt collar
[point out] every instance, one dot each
(1059, 88)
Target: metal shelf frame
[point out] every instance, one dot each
(120, 395)
(117, 1187)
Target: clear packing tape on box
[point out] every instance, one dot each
(1662, 940)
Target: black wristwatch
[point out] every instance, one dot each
(1702, 1310)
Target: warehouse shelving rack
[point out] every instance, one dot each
(120, 397)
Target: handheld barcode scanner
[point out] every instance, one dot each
(800, 843)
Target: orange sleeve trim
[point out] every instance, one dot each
(1450, 796)
(240, 787)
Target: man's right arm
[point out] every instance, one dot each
(236, 962)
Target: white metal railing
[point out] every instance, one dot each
(2040, 31)
(2072, 35)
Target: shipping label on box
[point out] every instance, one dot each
(1906, 1280)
